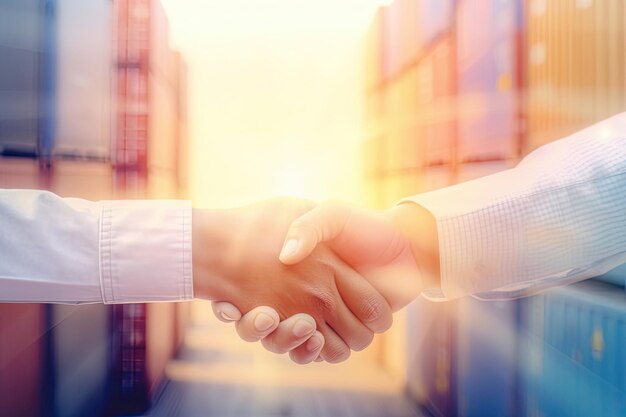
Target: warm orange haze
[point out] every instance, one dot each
(276, 97)
(228, 102)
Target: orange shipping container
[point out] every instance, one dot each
(575, 66)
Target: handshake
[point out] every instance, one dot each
(316, 281)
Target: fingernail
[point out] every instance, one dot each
(313, 344)
(302, 328)
(263, 322)
(226, 316)
(290, 248)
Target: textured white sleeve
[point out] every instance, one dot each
(145, 251)
(68, 250)
(556, 218)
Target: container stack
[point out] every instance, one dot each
(76, 117)
(575, 65)
(466, 91)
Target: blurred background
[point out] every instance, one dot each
(228, 102)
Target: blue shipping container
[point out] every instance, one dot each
(26, 76)
(616, 276)
(573, 352)
(487, 352)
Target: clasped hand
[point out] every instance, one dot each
(316, 281)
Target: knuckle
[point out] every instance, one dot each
(307, 227)
(372, 308)
(324, 302)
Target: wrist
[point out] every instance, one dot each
(419, 227)
(210, 237)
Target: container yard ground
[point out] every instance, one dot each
(218, 375)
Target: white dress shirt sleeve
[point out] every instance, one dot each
(68, 250)
(557, 218)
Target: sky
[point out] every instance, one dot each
(275, 97)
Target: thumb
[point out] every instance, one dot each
(321, 224)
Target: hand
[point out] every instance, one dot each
(296, 334)
(235, 257)
(383, 246)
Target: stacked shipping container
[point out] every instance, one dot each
(25, 89)
(572, 353)
(480, 84)
(58, 91)
(410, 115)
(575, 60)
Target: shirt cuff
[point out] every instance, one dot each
(461, 216)
(145, 251)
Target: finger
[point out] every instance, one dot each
(308, 351)
(257, 323)
(321, 224)
(354, 333)
(363, 300)
(290, 333)
(335, 350)
(226, 312)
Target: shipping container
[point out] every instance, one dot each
(182, 144)
(436, 111)
(131, 37)
(575, 66)
(391, 54)
(574, 351)
(22, 350)
(148, 96)
(80, 344)
(400, 122)
(164, 95)
(467, 172)
(26, 77)
(436, 19)
(83, 85)
(409, 40)
(616, 276)
(489, 79)
(486, 357)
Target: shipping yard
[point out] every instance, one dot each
(446, 91)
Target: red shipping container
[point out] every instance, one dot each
(21, 358)
(132, 36)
